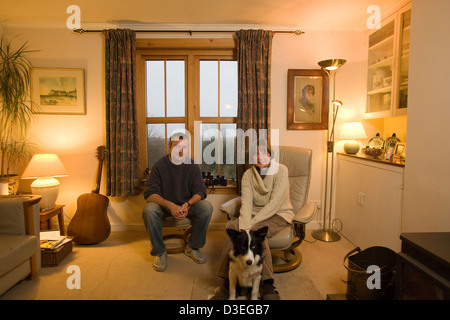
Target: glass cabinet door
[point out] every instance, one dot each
(388, 64)
(381, 62)
(404, 59)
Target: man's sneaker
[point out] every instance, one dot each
(195, 254)
(160, 262)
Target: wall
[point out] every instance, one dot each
(75, 138)
(304, 52)
(427, 172)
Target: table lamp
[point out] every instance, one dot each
(44, 168)
(352, 131)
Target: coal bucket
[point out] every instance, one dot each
(358, 263)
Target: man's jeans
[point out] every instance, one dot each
(200, 215)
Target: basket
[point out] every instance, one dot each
(358, 264)
(52, 258)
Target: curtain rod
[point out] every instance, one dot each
(296, 32)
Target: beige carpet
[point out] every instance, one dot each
(120, 268)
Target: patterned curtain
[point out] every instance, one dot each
(122, 145)
(254, 65)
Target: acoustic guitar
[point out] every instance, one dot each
(90, 223)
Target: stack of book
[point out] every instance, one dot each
(52, 240)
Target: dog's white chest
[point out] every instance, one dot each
(247, 276)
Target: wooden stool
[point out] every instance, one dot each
(169, 224)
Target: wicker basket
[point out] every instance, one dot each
(51, 258)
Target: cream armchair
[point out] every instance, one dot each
(20, 255)
(298, 162)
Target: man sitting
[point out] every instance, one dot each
(175, 188)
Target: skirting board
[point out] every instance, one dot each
(313, 225)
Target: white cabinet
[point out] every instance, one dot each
(369, 201)
(388, 64)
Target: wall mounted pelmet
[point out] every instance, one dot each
(296, 32)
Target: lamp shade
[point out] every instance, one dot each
(352, 131)
(331, 64)
(44, 165)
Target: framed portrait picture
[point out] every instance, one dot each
(307, 100)
(57, 91)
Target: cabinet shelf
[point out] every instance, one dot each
(384, 42)
(380, 90)
(383, 63)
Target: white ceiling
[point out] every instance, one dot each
(292, 14)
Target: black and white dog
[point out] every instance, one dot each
(246, 260)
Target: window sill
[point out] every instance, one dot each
(209, 190)
(221, 190)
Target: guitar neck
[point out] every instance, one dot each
(99, 178)
(100, 157)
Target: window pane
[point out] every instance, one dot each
(228, 88)
(228, 133)
(175, 88)
(166, 90)
(210, 145)
(209, 95)
(155, 88)
(155, 143)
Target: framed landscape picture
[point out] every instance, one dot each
(57, 91)
(307, 100)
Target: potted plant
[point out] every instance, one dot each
(15, 112)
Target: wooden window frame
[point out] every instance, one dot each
(192, 51)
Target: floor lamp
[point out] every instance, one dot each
(327, 234)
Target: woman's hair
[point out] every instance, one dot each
(263, 145)
(307, 88)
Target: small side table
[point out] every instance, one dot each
(46, 218)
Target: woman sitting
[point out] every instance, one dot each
(265, 202)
